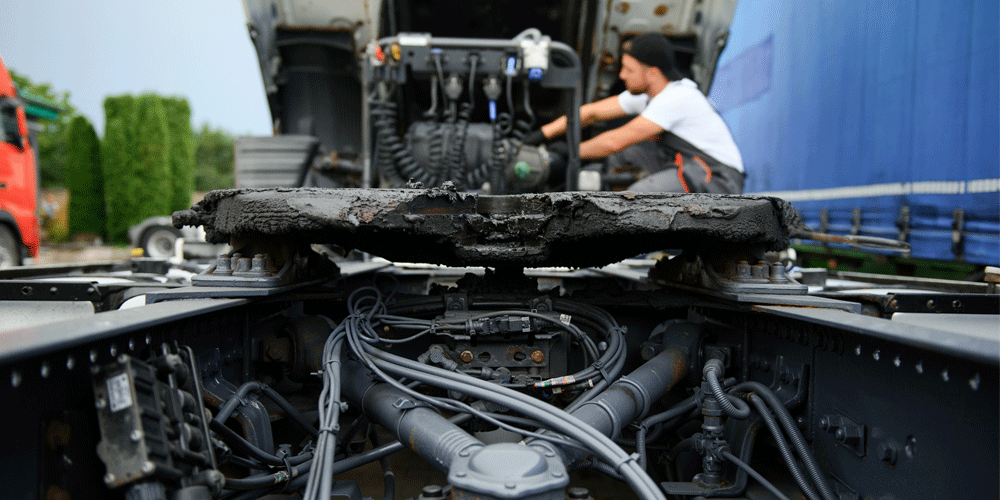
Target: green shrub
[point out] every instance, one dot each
(119, 175)
(182, 148)
(84, 179)
(136, 154)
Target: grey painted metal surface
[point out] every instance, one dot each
(277, 161)
(38, 340)
(27, 313)
(980, 349)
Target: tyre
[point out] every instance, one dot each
(158, 242)
(10, 251)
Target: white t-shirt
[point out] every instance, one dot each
(680, 108)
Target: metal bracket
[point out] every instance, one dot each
(958, 234)
(272, 265)
(737, 277)
(847, 432)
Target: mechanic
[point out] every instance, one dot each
(678, 140)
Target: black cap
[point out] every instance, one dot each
(653, 49)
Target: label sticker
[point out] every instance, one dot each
(119, 392)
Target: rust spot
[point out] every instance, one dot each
(628, 196)
(680, 367)
(661, 10)
(623, 7)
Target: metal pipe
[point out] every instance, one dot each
(415, 424)
(630, 397)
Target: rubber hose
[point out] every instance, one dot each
(786, 452)
(728, 406)
(640, 437)
(808, 460)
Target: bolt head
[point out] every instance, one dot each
(466, 356)
(148, 467)
(537, 357)
(109, 479)
(889, 453)
(136, 435)
(100, 402)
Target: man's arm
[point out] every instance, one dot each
(603, 110)
(637, 130)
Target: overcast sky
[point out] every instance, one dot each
(198, 49)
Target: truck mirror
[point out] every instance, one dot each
(22, 125)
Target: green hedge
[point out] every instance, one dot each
(136, 156)
(148, 159)
(84, 179)
(119, 175)
(182, 149)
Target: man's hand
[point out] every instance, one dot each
(534, 138)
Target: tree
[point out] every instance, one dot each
(213, 159)
(52, 141)
(136, 156)
(117, 164)
(84, 179)
(153, 155)
(182, 150)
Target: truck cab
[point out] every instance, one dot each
(18, 179)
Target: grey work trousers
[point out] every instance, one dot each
(664, 175)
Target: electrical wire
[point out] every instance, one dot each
(320, 482)
(553, 417)
(359, 321)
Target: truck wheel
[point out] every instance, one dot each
(10, 254)
(158, 242)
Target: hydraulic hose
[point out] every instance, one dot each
(254, 386)
(785, 418)
(678, 410)
(786, 453)
(234, 440)
(264, 480)
(388, 478)
(630, 396)
(735, 407)
(553, 417)
(429, 434)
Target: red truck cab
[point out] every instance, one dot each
(18, 179)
